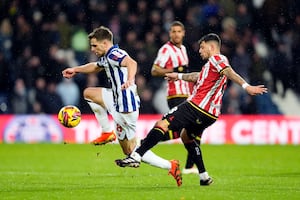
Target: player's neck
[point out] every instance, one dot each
(212, 53)
(176, 44)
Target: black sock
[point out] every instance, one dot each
(154, 136)
(189, 161)
(195, 152)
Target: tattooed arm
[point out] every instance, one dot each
(190, 77)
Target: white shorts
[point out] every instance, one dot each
(125, 123)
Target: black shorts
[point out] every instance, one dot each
(172, 102)
(189, 116)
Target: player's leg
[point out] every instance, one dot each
(126, 128)
(126, 131)
(98, 99)
(192, 145)
(188, 169)
(157, 133)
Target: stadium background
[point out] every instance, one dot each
(39, 38)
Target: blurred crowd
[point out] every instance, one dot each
(39, 38)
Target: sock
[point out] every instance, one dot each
(101, 116)
(194, 150)
(156, 161)
(154, 136)
(189, 161)
(204, 176)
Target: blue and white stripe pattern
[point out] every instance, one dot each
(125, 100)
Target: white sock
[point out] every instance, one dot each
(101, 116)
(156, 161)
(204, 176)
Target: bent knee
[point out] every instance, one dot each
(163, 124)
(87, 93)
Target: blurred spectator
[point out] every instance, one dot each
(53, 102)
(39, 95)
(6, 34)
(80, 44)
(296, 54)
(241, 61)
(69, 92)
(98, 13)
(22, 37)
(229, 36)
(231, 103)
(146, 102)
(6, 75)
(280, 68)
(259, 67)
(19, 98)
(243, 17)
(65, 30)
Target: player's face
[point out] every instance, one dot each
(176, 34)
(204, 50)
(97, 47)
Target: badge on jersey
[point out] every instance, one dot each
(116, 55)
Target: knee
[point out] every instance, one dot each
(163, 124)
(184, 137)
(87, 93)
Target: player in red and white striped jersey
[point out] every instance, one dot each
(172, 57)
(201, 109)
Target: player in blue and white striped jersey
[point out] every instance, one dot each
(127, 100)
(123, 102)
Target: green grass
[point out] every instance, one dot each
(58, 171)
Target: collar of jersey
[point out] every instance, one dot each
(111, 48)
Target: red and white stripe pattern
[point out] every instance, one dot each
(210, 86)
(169, 57)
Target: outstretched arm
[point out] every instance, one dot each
(87, 68)
(190, 77)
(159, 71)
(252, 90)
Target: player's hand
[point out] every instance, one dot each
(171, 76)
(69, 73)
(127, 84)
(256, 90)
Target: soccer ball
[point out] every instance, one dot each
(69, 116)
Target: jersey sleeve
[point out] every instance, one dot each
(220, 62)
(162, 57)
(117, 56)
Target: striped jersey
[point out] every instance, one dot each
(169, 57)
(125, 100)
(209, 88)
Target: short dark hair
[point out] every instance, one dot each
(101, 33)
(210, 37)
(177, 23)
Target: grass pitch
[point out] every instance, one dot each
(72, 171)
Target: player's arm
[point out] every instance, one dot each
(159, 71)
(86, 69)
(190, 77)
(235, 77)
(131, 65)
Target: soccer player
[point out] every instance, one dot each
(123, 101)
(172, 57)
(200, 110)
